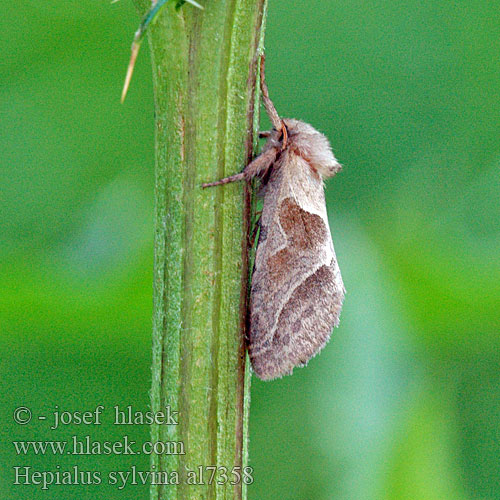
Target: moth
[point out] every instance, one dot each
(297, 289)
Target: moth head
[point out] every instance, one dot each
(313, 146)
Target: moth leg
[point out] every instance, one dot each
(260, 164)
(226, 180)
(264, 134)
(255, 167)
(251, 239)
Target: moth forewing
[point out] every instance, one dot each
(297, 290)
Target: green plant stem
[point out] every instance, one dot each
(204, 75)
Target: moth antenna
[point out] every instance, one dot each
(268, 104)
(150, 17)
(277, 122)
(226, 180)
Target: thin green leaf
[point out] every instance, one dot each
(147, 20)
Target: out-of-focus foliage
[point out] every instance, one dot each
(404, 402)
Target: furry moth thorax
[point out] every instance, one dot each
(304, 140)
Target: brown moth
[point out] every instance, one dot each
(297, 290)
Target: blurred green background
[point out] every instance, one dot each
(404, 402)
